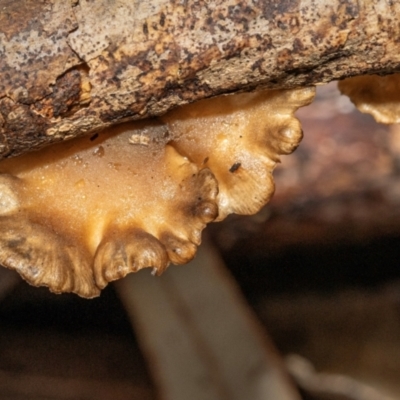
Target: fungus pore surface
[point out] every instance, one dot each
(80, 214)
(375, 95)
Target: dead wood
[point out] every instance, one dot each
(73, 67)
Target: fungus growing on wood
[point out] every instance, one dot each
(375, 95)
(240, 139)
(85, 212)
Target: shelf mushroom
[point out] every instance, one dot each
(375, 95)
(80, 214)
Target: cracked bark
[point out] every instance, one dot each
(70, 68)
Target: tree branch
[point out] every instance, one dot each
(70, 68)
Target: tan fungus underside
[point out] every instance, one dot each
(375, 95)
(80, 214)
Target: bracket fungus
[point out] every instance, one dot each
(80, 214)
(375, 95)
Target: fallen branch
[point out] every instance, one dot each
(70, 68)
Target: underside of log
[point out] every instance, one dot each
(73, 67)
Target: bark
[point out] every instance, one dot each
(73, 67)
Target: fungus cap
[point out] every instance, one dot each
(240, 138)
(80, 214)
(375, 95)
(85, 199)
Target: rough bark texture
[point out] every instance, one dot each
(73, 67)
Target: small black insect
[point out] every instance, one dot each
(235, 167)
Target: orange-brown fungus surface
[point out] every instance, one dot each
(80, 214)
(240, 139)
(375, 95)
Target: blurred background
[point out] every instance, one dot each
(319, 265)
